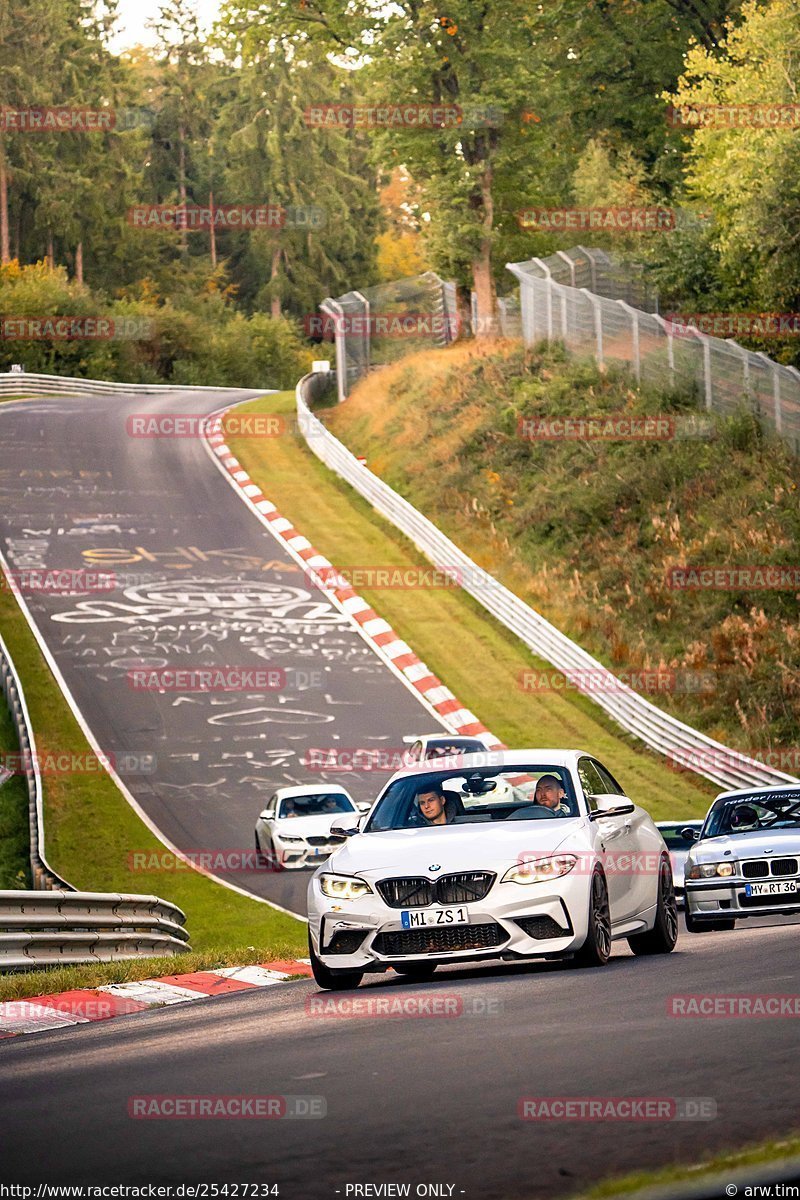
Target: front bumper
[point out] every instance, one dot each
(295, 857)
(713, 899)
(368, 935)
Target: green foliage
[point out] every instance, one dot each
(197, 339)
(588, 530)
(15, 871)
(747, 179)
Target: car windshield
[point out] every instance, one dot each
(747, 814)
(675, 838)
(315, 806)
(480, 795)
(447, 747)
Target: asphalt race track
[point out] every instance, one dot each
(409, 1099)
(420, 1100)
(200, 582)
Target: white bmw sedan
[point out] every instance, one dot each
(294, 829)
(747, 860)
(516, 855)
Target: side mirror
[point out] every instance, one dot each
(611, 806)
(267, 814)
(690, 833)
(341, 832)
(363, 806)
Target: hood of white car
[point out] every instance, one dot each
(762, 842)
(440, 851)
(312, 826)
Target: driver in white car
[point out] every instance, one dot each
(550, 794)
(434, 807)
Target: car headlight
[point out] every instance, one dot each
(286, 838)
(540, 869)
(721, 870)
(343, 887)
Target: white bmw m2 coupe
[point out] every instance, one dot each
(498, 855)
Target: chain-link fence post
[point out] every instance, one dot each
(707, 381)
(598, 325)
(334, 310)
(634, 318)
(365, 335)
(570, 263)
(775, 375)
(592, 266)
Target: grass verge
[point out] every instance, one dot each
(19, 985)
(472, 653)
(15, 867)
(589, 531)
(761, 1155)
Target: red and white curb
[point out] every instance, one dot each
(396, 653)
(82, 1006)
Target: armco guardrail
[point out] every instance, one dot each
(42, 927)
(659, 730)
(25, 384)
(39, 929)
(43, 874)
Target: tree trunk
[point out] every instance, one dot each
(79, 262)
(482, 277)
(51, 262)
(275, 305)
(182, 183)
(213, 234)
(5, 252)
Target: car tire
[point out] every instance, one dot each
(273, 858)
(721, 926)
(596, 950)
(417, 971)
(331, 981)
(261, 858)
(662, 937)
